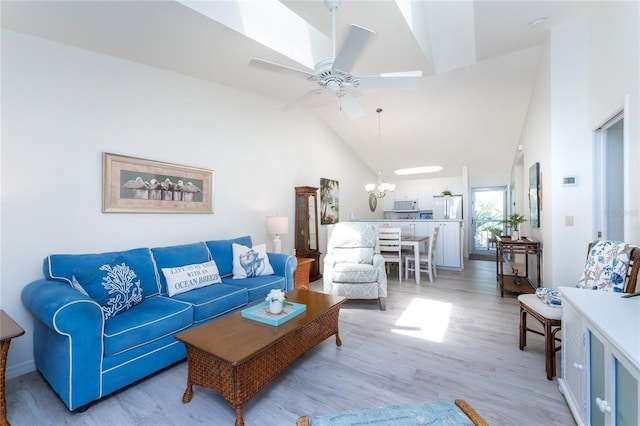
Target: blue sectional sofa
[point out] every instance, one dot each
(84, 356)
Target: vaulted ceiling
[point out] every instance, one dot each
(478, 60)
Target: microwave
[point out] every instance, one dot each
(405, 206)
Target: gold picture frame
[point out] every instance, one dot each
(136, 185)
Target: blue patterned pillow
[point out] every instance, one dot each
(606, 266)
(250, 262)
(114, 285)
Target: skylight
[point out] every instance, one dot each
(270, 23)
(418, 170)
(424, 319)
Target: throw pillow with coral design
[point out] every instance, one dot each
(114, 285)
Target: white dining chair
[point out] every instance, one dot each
(390, 240)
(428, 259)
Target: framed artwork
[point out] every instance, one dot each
(136, 185)
(329, 204)
(535, 195)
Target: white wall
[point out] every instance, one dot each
(536, 143)
(614, 69)
(62, 107)
(589, 70)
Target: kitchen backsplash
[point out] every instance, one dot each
(422, 214)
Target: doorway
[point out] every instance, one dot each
(609, 181)
(488, 209)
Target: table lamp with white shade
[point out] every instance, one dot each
(277, 225)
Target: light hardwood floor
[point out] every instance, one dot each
(453, 339)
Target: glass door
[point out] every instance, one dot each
(609, 179)
(488, 208)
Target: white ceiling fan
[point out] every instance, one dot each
(334, 74)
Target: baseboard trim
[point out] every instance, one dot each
(20, 369)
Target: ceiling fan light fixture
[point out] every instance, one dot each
(417, 170)
(335, 74)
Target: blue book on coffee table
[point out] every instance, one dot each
(260, 312)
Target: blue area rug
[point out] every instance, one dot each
(428, 413)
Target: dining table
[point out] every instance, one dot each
(416, 242)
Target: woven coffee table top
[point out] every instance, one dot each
(233, 338)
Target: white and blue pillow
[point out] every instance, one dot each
(606, 266)
(113, 285)
(549, 296)
(190, 277)
(250, 262)
(61, 267)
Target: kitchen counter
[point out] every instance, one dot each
(410, 220)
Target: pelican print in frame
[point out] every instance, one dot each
(136, 185)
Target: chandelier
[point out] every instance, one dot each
(379, 189)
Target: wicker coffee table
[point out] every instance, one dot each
(237, 357)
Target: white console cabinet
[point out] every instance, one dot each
(601, 357)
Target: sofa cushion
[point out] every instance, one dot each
(250, 262)
(258, 287)
(114, 285)
(190, 277)
(215, 300)
(180, 255)
(222, 253)
(60, 266)
(354, 273)
(153, 319)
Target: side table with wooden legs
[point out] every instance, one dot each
(8, 330)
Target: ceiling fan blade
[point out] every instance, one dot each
(282, 69)
(398, 80)
(350, 106)
(354, 44)
(300, 100)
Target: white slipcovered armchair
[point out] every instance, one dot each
(353, 265)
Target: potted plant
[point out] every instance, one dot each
(495, 231)
(446, 193)
(276, 299)
(514, 221)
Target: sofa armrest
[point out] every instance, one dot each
(378, 263)
(47, 300)
(283, 265)
(67, 340)
(327, 272)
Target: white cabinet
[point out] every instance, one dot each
(422, 229)
(406, 191)
(574, 360)
(425, 198)
(449, 244)
(600, 357)
(407, 228)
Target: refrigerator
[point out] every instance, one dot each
(447, 207)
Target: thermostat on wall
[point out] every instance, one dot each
(568, 180)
